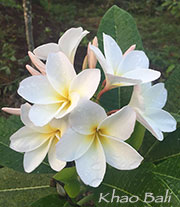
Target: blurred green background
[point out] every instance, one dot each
(157, 20)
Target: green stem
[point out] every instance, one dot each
(85, 200)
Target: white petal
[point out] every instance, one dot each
(145, 86)
(112, 52)
(86, 117)
(91, 166)
(163, 120)
(73, 145)
(60, 72)
(120, 124)
(116, 81)
(133, 60)
(145, 75)
(61, 124)
(83, 84)
(149, 126)
(121, 155)
(55, 164)
(25, 108)
(34, 158)
(66, 109)
(137, 99)
(26, 139)
(42, 51)
(155, 96)
(101, 59)
(40, 115)
(70, 40)
(37, 89)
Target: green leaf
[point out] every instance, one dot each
(69, 178)
(20, 189)
(160, 151)
(51, 201)
(176, 116)
(9, 157)
(173, 87)
(137, 137)
(147, 178)
(120, 25)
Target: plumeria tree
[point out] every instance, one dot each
(91, 125)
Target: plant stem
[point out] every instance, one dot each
(28, 24)
(85, 200)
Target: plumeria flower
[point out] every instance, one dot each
(67, 44)
(123, 70)
(95, 138)
(148, 101)
(57, 94)
(37, 142)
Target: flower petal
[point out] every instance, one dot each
(42, 51)
(101, 59)
(26, 139)
(61, 124)
(150, 126)
(86, 117)
(116, 81)
(120, 124)
(91, 167)
(112, 52)
(120, 155)
(68, 107)
(145, 75)
(163, 120)
(83, 84)
(155, 96)
(73, 145)
(55, 164)
(37, 89)
(25, 108)
(135, 59)
(70, 40)
(40, 115)
(34, 158)
(60, 72)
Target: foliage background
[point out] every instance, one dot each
(158, 24)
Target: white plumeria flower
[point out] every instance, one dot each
(37, 142)
(95, 139)
(67, 44)
(123, 70)
(148, 101)
(57, 94)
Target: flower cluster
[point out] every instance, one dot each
(64, 123)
